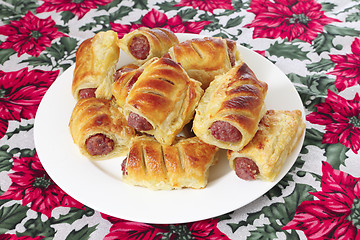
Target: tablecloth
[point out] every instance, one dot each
(316, 43)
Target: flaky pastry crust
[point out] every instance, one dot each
(93, 116)
(96, 60)
(161, 167)
(279, 131)
(237, 98)
(205, 58)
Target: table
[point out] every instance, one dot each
(315, 43)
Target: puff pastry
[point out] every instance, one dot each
(230, 110)
(145, 43)
(95, 66)
(161, 167)
(278, 133)
(99, 129)
(205, 58)
(158, 99)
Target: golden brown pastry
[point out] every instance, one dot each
(205, 58)
(161, 167)
(99, 129)
(145, 43)
(264, 156)
(158, 99)
(96, 61)
(229, 112)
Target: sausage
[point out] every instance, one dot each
(99, 144)
(123, 167)
(246, 168)
(224, 131)
(138, 122)
(87, 93)
(139, 47)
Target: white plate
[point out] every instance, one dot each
(99, 186)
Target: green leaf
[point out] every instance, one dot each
(141, 4)
(26, 128)
(88, 26)
(276, 191)
(11, 216)
(66, 16)
(322, 65)
(266, 232)
(6, 13)
(327, 7)
(5, 54)
(26, 152)
(117, 15)
(167, 6)
(110, 5)
(323, 43)
(56, 50)
(290, 51)
(314, 85)
(313, 137)
(73, 215)
(279, 214)
(41, 60)
(233, 22)
(336, 154)
(224, 217)
(341, 31)
(36, 227)
(69, 44)
(353, 17)
(15, 9)
(83, 233)
(63, 28)
(222, 35)
(5, 157)
(187, 14)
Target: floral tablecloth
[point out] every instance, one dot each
(316, 43)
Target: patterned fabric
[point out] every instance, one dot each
(316, 43)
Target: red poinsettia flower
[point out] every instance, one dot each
(78, 8)
(14, 237)
(32, 185)
(347, 69)
(341, 118)
(123, 229)
(20, 94)
(29, 35)
(291, 19)
(154, 19)
(336, 213)
(206, 5)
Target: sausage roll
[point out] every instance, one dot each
(158, 99)
(145, 43)
(230, 110)
(99, 129)
(204, 58)
(161, 167)
(264, 156)
(95, 66)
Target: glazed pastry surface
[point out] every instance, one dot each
(229, 112)
(161, 167)
(279, 131)
(92, 116)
